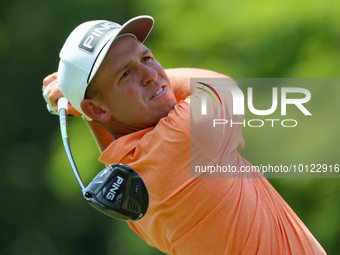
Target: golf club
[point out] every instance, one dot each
(117, 190)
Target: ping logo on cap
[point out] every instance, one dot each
(95, 35)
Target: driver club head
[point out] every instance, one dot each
(119, 192)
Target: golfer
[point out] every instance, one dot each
(139, 114)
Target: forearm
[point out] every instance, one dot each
(101, 135)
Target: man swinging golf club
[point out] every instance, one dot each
(141, 118)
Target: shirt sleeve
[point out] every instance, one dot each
(217, 134)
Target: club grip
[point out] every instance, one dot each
(63, 104)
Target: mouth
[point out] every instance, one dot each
(158, 92)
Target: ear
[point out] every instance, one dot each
(93, 109)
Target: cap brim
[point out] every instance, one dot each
(140, 26)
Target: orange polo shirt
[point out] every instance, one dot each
(241, 214)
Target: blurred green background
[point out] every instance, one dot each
(42, 210)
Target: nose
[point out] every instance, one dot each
(149, 75)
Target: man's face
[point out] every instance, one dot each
(134, 87)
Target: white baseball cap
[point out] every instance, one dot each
(85, 49)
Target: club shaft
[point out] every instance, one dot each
(66, 142)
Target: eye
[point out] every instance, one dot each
(125, 74)
(146, 59)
